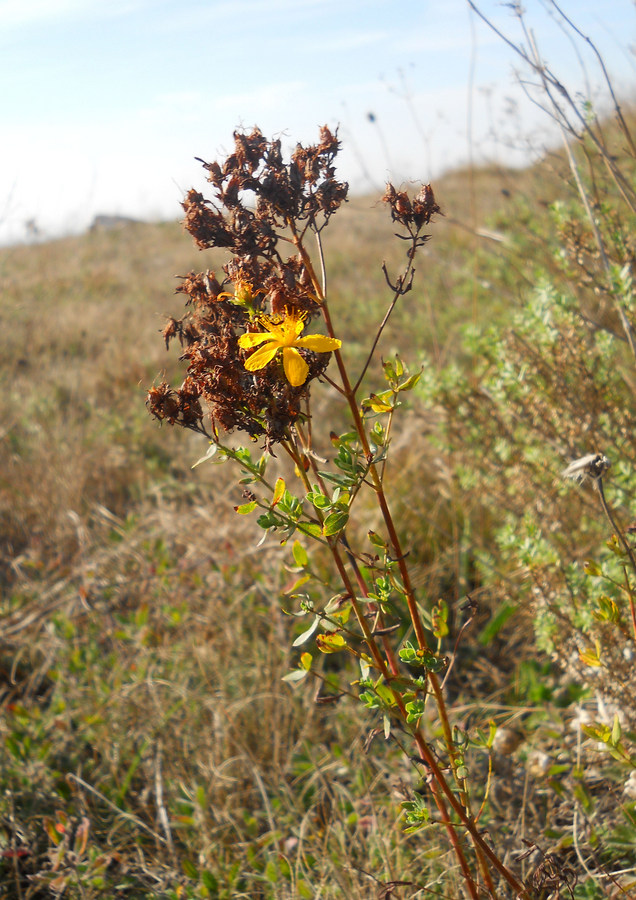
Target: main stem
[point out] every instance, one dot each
(481, 848)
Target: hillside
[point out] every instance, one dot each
(152, 748)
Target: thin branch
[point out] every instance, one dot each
(400, 288)
(610, 517)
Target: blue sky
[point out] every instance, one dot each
(105, 103)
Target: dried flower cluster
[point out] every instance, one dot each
(412, 214)
(264, 298)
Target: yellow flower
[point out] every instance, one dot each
(244, 295)
(284, 335)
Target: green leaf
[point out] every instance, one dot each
(389, 370)
(245, 508)
(410, 383)
(271, 871)
(335, 522)
(614, 545)
(376, 540)
(300, 554)
(297, 584)
(319, 500)
(592, 568)
(342, 480)
(596, 732)
(189, 868)
(210, 882)
(584, 797)
(268, 520)
(414, 710)
(494, 626)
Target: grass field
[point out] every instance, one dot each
(150, 745)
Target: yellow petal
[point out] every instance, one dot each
(319, 343)
(275, 328)
(296, 369)
(252, 338)
(260, 359)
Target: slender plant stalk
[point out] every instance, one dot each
(483, 851)
(613, 523)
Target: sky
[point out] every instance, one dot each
(104, 104)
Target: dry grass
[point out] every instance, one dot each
(144, 642)
(144, 638)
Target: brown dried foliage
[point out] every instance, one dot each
(256, 197)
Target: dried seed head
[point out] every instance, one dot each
(413, 214)
(594, 466)
(256, 196)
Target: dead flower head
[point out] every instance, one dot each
(263, 300)
(593, 466)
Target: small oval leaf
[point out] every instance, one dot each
(295, 676)
(304, 637)
(210, 453)
(300, 554)
(330, 643)
(279, 490)
(335, 522)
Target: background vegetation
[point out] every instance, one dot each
(151, 748)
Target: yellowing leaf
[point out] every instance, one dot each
(298, 582)
(279, 490)
(52, 830)
(330, 643)
(81, 836)
(410, 382)
(379, 402)
(590, 657)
